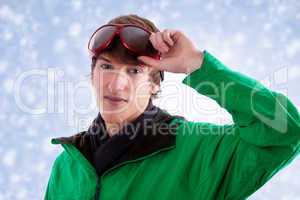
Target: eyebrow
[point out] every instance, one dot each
(103, 58)
(100, 57)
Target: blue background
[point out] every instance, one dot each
(48, 40)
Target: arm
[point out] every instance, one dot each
(232, 161)
(275, 119)
(264, 138)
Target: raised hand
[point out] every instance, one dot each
(179, 55)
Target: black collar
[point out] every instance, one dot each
(150, 132)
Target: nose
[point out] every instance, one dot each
(118, 82)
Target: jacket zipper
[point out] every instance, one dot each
(99, 180)
(97, 194)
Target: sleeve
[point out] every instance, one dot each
(47, 193)
(53, 177)
(264, 138)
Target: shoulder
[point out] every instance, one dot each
(60, 161)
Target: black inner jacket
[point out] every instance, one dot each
(149, 133)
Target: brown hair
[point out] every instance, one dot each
(116, 49)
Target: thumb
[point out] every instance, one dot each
(150, 61)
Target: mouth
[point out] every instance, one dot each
(115, 99)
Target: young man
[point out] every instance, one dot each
(135, 150)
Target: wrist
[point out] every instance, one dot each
(196, 62)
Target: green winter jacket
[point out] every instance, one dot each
(202, 160)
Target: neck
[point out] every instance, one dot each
(114, 127)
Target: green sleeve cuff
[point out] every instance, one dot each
(210, 78)
(208, 70)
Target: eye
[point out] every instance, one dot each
(135, 71)
(106, 66)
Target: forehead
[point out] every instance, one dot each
(114, 57)
(121, 63)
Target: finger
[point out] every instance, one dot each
(153, 41)
(157, 64)
(163, 64)
(161, 43)
(174, 35)
(167, 37)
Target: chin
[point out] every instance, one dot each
(112, 118)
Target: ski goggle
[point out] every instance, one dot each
(132, 37)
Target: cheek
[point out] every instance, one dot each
(141, 96)
(98, 82)
(142, 90)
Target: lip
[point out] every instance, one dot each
(115, 99)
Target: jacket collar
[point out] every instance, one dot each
(151, 132)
